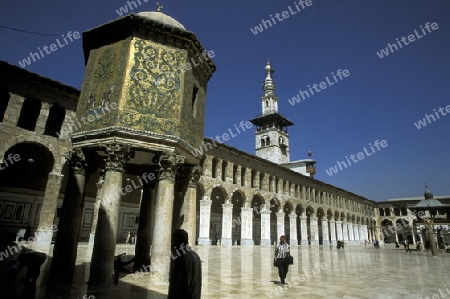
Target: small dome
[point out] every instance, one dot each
(161, 18)
(428, 194)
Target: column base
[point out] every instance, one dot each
(315, 242)
(43, 238)
(157, 279)
(247, 242)
(304, 243)
(226, 242)
(204, 241)
(293, 242)
(325, 243)
(91, 238)
(266, 242)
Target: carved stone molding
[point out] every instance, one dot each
(168, 164)
(117, 156)
(76, 160)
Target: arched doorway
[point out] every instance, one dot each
(275, 207)
(24, 170)
(218, 198)
(237, 199)
(257, 205)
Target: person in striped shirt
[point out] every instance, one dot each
(281, 252)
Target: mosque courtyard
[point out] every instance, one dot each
(318, 272)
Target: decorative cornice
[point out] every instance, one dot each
(117, 155)
(124, 130)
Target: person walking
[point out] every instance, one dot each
(119, 266)
(185, 278)
(281, 253)
(406, 245)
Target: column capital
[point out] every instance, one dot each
(76, 160)
(293, 216)
(279, 215)
(246, 209)
(117, 156)
(227, 205)
(168, 164)
(190, 175)
(206, 201)
(265, 212)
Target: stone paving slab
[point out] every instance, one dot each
(318, 272)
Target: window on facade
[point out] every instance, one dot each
(267, 140)
(29, 114)
(276, 185)
(263, 142)
(224, 170)
(243, 170)
(194, 101)
(214, 168)
(235, 168)
(4, 100)
(403, 211)
(261, 181)
(253, 179)
(55, 120)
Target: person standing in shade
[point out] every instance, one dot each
(185, 279)
(281, 252)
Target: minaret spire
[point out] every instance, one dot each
(269, 99)
(268, 82)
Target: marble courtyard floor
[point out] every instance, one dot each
(318, 272)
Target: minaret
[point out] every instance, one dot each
(272, 139)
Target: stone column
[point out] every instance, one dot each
(238, 175)
(314, 229)
(280, 225)
(358, 233)
(333, 231)
(12, 112)
(247, 227)
(44, 232)
(339, 230)
(42, 118)
(265, 228)
(189, 208)
(351, 237)
(413, 234)
(344, 231)
(205, 219)
(227, 220)
(145, 227)
(102, 260)
(162, 230)
(304, 230)
(293, 229)
(65, 250)
(325, 235)
(96, 208)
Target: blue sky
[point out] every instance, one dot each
(380, 100)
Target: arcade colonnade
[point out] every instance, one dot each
(241, 204)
